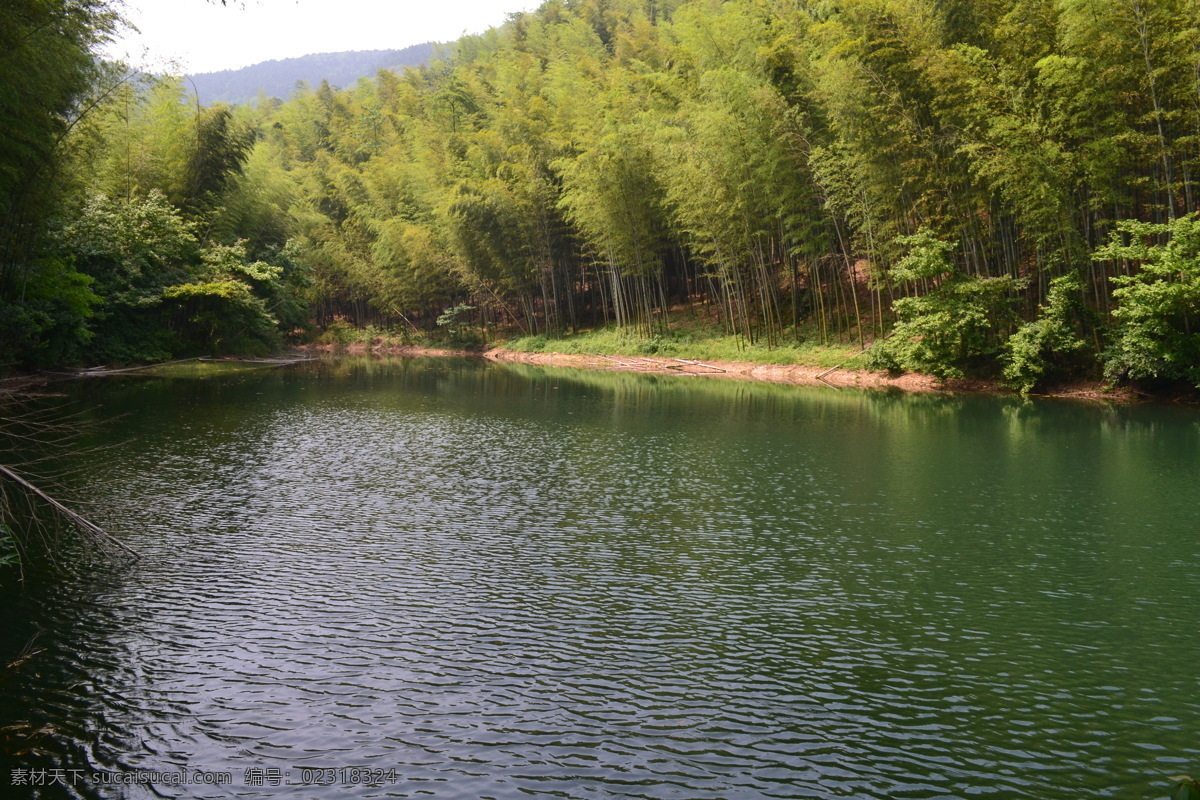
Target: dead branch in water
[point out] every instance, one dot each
(281, 361)
(27, 652)
(32, 433)
(101, 371)
(86, 527)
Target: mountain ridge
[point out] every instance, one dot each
(278, 77)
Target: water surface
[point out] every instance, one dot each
(512, 582)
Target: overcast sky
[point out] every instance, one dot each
(205, 36)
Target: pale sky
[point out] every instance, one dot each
(203, 36)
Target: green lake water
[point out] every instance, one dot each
(491, 581)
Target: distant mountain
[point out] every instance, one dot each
(279, 78)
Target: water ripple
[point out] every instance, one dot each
(502, 590)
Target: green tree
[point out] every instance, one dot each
(47, 67)
(957, 327)
(162, 292)
(1049, 343)
(1157, 335)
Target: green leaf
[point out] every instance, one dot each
(1183, 787)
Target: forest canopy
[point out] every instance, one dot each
(1003, 187)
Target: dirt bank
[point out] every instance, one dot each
(741, 370)
(804, 375)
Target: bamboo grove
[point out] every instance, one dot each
(972, 185)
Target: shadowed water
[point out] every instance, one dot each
(508, 582)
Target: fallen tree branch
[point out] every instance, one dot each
(698, 364)
(85, 526)
(826, 372)
(96, 371)
(616, 360)
(269, 362)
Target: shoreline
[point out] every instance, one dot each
(791, 374)
(788, 374)
(801, 375)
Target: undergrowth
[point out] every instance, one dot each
(691, 342)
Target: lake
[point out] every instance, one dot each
(445, 578)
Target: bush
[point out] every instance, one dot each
(1157, 332)
(1047, 344)
(48, 325)
(221, 316)
(957, 327)
(339, 332)
(459, 332)
(163, 292)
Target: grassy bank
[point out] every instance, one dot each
(692, 342)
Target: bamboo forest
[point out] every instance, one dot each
(1007, 186)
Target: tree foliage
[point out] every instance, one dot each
(1052, 342)
(47, 71)
(942, 169)
(955, 327)
(1157, 330)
